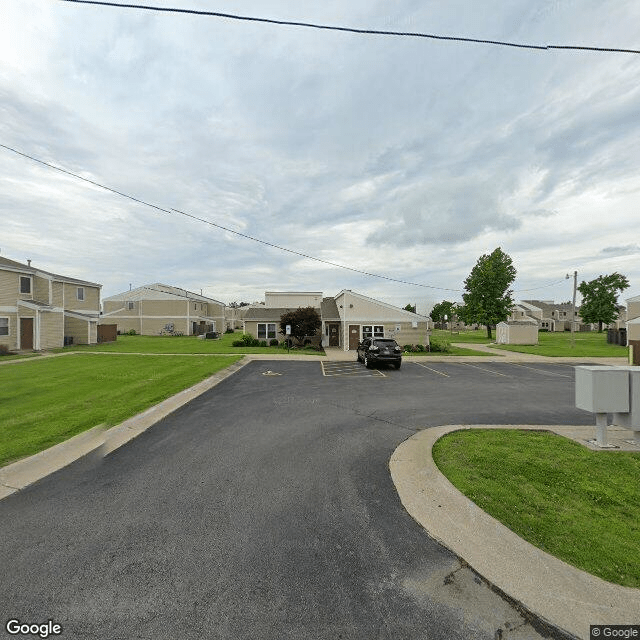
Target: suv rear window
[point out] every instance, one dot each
(385, 343)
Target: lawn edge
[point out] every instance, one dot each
(544, 585)
(101, 441)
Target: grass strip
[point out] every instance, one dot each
(550, 343)
(183, 344)
(48, 400)
(579, 505)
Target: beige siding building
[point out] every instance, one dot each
(363, 317)
(157, 309)
(347, 318)
(43, 310)
(633, 318)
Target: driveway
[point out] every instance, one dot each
(265, 509)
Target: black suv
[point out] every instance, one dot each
(375, 350)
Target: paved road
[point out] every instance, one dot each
(265, 509)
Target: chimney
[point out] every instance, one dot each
(28, 262)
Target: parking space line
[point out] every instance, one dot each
(334, 369)
(549, 373)
(495, 373)
(424, 366)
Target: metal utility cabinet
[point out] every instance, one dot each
(610, 390)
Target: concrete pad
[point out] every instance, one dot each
(555, 591)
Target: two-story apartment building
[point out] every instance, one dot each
(44, 310)
(159, 308)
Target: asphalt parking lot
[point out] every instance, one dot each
(265, 509)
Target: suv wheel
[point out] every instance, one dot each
(367, 362)
(397, 365)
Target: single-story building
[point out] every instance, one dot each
(262, 321)
(43, 310)
(523, 331)
(155, 309)
(347, 318)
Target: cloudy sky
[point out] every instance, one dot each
(404, 157)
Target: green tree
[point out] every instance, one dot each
(442, 309)
(488, 298)
(304, 322)
(600, 298)
(410, 307)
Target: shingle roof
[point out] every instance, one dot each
(268, 314)
(25, 268)
(329, 309)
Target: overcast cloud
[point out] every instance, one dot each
(404, 157)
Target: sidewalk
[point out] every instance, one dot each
(560, 594)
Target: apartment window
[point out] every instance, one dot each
(266, 331)
(373, 331)
(4, 326)
(80, 293)
(25, 284)
(131, 305)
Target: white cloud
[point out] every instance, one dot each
(404, 157)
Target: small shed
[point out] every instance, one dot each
(524, 331)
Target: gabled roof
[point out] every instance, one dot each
(329, 309)
(159, 291)
(19, 267)
(528, 306)
(386, 305)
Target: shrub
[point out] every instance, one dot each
(131, 332)
(229, 330)
(407, 347)
(273, 342)
(263, 343)
(440, 344)
(247, 341)
(419, 348)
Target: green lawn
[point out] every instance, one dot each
(183, 344)
(587, 344)
(478, 336)
(48, 400)
(581, 506)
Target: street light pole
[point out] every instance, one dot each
(573, 308)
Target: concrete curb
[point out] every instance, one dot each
(22, 473)
(556, 592)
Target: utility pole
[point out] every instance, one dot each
(573, 308)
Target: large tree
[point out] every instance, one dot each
(488, 298)
(303, 321)
(442, 309)
(600, 298)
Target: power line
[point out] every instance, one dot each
(219, 226)
(238, 233)
(375, 32)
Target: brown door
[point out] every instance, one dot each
(26, 333)
(334, 336)
(354, 336)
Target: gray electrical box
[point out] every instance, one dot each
(602, 389)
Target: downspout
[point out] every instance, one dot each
(346, 325)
